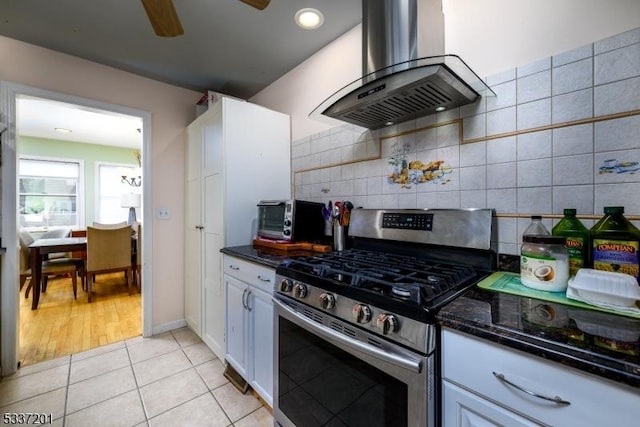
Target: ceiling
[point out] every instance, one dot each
(227, 47)
(40, 118)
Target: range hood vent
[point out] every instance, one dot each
(398, 85)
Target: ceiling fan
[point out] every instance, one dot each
(165, 21)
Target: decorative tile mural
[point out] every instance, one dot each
(615, 166)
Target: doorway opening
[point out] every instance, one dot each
(105, 142)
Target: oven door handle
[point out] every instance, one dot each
(386, 355)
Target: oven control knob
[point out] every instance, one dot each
(300, 290)
(287, 223)
(286, 285)
(361, 313)
(327, 301)
(387, 323)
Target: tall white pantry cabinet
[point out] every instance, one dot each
(237, 154)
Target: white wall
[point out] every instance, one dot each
(490, 36)
(171, 108)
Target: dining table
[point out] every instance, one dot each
(39, 250)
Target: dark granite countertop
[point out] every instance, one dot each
(602, 344)
(558, 333)
(263, 256)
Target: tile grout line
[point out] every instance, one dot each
(135, 379)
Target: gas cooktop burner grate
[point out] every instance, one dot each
(406, 278)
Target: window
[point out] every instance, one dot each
(49, 193)
(110, 190)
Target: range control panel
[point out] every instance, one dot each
(408, 221)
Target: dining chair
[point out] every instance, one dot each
(105, 226)
(56, 233)
(108, 251)
(55, 267)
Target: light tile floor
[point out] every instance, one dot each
(172, 379)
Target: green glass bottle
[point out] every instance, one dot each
(615, 242)
(577, 240)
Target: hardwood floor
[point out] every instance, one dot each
(62, 325)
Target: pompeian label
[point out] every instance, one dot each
(575, 246)
(616, 255)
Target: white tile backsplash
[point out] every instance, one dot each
(617, 97)
(579, 197)
(616, 42)
(573, 170)
(534, 67)
(505, 96)
(501, 121)
(534, 114)
(534, 87)
(534, 173)
(534, 145)
(572, 106)
(573, 55)
(524, 171)
(475, 126)
(501, 175)
(619, 134)
(573, 76)
(573, 140)
(501, 150)
(473, 154)
(501, 77)
(617, 64)
(534, 199)
(473, 178)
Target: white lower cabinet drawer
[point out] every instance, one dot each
(465, 409)
(475, 364)
(257, 275)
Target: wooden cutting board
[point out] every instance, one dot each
(287, 246)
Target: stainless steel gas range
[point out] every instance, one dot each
(355, 335)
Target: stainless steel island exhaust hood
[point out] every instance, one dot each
(406, 74)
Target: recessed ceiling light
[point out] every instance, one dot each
(63, 130)
(309, 18)
(440, 108)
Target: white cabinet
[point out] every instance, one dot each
(237, 153)
(476, 393)
(249, 326)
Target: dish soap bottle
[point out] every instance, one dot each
(536, 228)
(615, 243)
(577, 240)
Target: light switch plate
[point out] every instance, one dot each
(163, 213)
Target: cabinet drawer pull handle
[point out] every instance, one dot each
(233, 267)
(558, 400)
(264, 279)
(244, 295)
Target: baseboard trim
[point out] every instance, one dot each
(169, 326)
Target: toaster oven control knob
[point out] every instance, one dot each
(361, 313)
(286, 232)
(286, 285)
(387, 323)
(300, 290)
(327, 301)
(287, 223)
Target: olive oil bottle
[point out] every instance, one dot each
(577, 240)
(615, 243)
